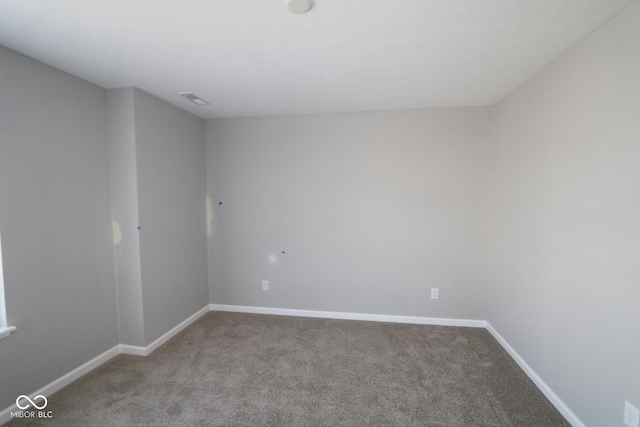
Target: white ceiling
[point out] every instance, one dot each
(253, 57)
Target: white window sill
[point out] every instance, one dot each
(5, 331)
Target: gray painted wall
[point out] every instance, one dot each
(158, 181)
(55, 223)
(170, 155)
(371, 209)
(564, 283)
(124, 206)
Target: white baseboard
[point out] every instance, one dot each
(145, 351)
(134, 350)
(64, 380)
(544, 388)
(350, 316)
(5, 415)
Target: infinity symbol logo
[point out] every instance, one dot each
(31, 402)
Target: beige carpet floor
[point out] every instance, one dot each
(231, 369)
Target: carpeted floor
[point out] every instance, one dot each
(231, 369)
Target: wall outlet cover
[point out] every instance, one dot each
(631, 415)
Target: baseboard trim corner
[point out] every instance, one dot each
(145, 351)
(471, 323)
(68, 378)
(134, 350)
(571, 417)
(5, 415)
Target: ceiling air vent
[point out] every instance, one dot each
(191, 97)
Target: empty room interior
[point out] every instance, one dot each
(320, 213)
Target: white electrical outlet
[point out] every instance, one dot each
(631, 415)
(265, 285)
(434, 293)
